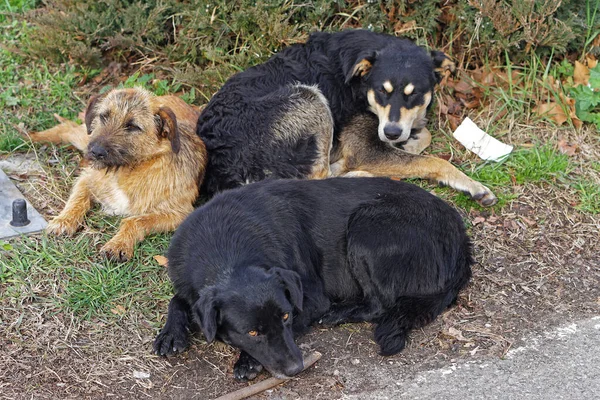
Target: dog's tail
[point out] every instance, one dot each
(414, 311)
(67, 132)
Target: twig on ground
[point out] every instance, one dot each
(267, 383)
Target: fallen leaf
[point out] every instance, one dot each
(454, 122)
(553, 111)
(581, 75)
(567, 148)
(118, 310)
(591, 61)
(463, 86)
(162, 260)
(478, 220)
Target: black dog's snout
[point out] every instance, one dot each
(392, 132)
(97, 151)
(294, 369)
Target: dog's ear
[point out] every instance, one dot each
(442, 63)
(361, 66)
(90, 111)
(205, 312)
(293, 285)
(167, 127)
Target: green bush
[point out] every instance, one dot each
(200, 44)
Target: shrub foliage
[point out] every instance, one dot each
(220, 37)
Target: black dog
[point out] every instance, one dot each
(287, 118)
(256, 266)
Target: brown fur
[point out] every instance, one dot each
(360, 153)
(152, 170)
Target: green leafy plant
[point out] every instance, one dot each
(587, 98)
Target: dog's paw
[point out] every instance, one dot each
(117, 250)
(330, 319)
(62, 226)
(169, 342)
(484, 196)
(246, 368)
(390, 344)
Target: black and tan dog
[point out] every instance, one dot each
(294, 115)
(256, 266)
(145, 163)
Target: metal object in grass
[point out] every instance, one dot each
(17, 216)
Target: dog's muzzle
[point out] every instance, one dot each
(393, 133)
(97, 152)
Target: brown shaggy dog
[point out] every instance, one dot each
(145, 162)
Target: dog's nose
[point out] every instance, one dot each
(294, 369)
(97, 151)
(392, 132)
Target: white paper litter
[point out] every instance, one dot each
(480, 143)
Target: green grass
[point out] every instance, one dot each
(540, 164)
(589, 197)
(31, 91)
(68, 274)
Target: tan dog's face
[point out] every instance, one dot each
(399, 81)
(398, 109)
(127, 128)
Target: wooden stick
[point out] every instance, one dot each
(267, 383)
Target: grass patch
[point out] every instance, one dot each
(68, 275)
(589, 197)
(540, 163)
(523, 166)
(32, 91)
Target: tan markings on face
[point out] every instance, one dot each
(408, 89)
(408, 117)
(383, 113)
(387, 85)
(448, 65)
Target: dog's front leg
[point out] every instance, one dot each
(134, 229)
(80, 201)
(382, 159)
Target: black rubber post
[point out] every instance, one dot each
(19, 213)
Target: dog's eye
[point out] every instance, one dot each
(285, 316)
(252, 333)
(104, 117)
(132, 127)
(382, 90)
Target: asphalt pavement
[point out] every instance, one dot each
(562, 363)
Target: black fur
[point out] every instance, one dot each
(236, 124)
(337, 250)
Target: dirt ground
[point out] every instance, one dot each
(538, 266)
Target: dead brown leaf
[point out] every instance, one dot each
(118, 310)
(581, 75)
(478, 220)
(463, 86)
(454, 122)
(591, 61)
(553, 111)
(566, 147)
(162, 260)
